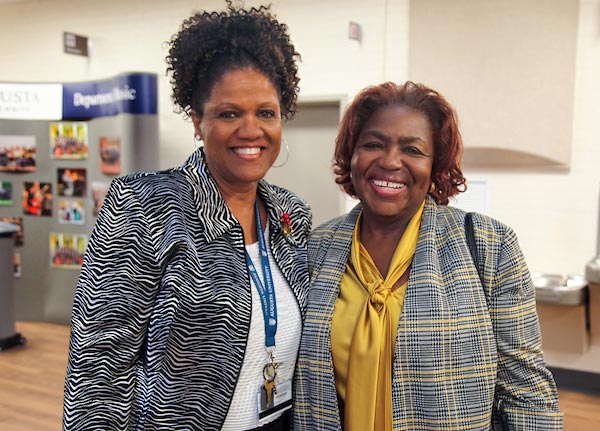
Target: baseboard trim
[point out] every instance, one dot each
(583, 381)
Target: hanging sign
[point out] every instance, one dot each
(75, 44)
(30, 101)
(130, 93)
(133, 93)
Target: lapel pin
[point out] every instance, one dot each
(286, 224)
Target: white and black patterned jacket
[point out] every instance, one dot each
(163, 304)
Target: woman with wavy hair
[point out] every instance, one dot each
(403, 330)
(188, 310)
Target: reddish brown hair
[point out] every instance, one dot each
(446, 174)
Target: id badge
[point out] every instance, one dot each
(282, 401)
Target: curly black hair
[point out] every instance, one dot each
(210, 44)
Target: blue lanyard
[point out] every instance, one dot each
(266, 293)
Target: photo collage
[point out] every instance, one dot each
(64, 194)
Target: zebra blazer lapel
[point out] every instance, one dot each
(289, 250)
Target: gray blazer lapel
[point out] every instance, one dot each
(329, 249)
(425, 274)
(332, 252)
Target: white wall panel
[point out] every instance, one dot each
(555, 214)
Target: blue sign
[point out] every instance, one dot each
(134, 93)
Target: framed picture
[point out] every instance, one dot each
(17, 153)
(110, 156)
(71, 182)
(6, 193)
(37, 198)
(70, 211)
(66, 250)
(99, 190)
(69, 140)
(20, 236)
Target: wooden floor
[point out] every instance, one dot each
(31, 385)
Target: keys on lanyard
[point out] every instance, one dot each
(269, 374)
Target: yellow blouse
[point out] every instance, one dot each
(363, 332)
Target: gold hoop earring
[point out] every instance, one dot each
(287, 155)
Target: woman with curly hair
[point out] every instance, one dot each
(187, 314)
(403, 329)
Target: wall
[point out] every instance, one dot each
(515, 74)
(554, 214)
(131, 36)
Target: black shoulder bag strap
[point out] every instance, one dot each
(470, 234)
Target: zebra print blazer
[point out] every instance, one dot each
(163, 303)
(459, 345)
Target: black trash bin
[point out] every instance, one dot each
(8, 336)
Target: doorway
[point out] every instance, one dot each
(308, 173)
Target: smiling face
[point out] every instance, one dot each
(391, 164)
(241, 128)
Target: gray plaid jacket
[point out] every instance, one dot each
(463, 351)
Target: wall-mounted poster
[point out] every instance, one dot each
(69, 140)
(70, 211)
(17, 153)
(17, 265)
(20, 236)
(6, 195)
(99, 190)
(110, 156)
(71, 182)
(37, 198)
(66, 250)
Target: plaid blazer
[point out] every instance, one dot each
(463, 351)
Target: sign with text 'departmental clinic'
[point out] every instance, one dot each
(133, 93)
